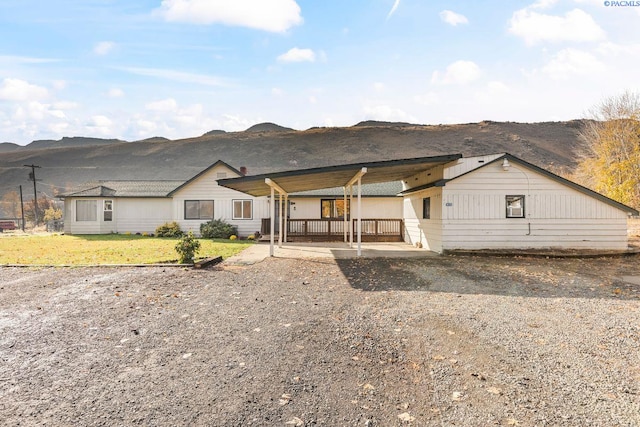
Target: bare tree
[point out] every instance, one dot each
(611, 161)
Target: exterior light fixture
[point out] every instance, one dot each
(505, 164)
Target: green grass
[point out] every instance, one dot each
(104, 249)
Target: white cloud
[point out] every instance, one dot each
(396, 3)
(165, 105)
(178, 76)
(268, 15)
(313, 100)
(276, 91)
(576, 25)
(570, 62)
(544, 4)
(65, 105)
(59, 84)
(115, 93)
(20, 90)
(298, 55)
(453, 18)
(459, 72)
(387, 113)
(379, 86)
(100, 125)
(103, 48)
(429, 98)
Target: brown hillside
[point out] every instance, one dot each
(550, 145)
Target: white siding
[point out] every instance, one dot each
(427, 232)
(372, 207)
(205, 187)
(140, 215)
(467, 164)
(556, 216)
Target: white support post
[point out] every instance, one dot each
(281, 201)
(345, 213)
(286, 216)
(357, 178)
(350, 217)
(272, 215)
(275, 187)
(359, 216)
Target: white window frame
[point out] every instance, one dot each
(92, 209)
(107, 206)
(513, 210)
(243, 201)
(200, 217)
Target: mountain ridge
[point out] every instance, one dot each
(65, 165)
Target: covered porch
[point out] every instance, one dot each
(350, 177)
(333, 230)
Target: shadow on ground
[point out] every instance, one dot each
(606, 277)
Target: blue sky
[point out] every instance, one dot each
(134, 69)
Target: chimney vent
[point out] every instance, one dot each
(243, 170)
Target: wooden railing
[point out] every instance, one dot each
(333, 229)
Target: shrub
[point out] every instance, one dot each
(169, 229)
(187, 247)
(217, 229)
(251, 237)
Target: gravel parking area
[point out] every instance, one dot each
(443, 341)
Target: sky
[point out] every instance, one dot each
(134, 69)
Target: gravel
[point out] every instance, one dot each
(446, 341)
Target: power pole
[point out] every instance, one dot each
(22, 208)
(32, 176)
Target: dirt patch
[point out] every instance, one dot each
(437, 341)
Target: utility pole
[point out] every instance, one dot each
(22, 208)
(32, 176)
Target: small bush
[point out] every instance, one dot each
(169, 229)
(217, 229)
(233, 237)
(187, 247)
(251, 237)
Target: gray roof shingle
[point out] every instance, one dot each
(125, 189)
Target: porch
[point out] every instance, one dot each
(333, 230)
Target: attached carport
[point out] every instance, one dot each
(345, 176)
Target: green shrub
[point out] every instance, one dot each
(217, 229)
(169, 229)
(187, 247)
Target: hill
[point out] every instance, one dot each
(268, 147)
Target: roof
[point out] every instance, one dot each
(189, 181)
(381, 189)
(125, 189)
(441, 183)
(335, 176)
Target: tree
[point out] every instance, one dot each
(611, 162)
(11, 204)
(44, 204)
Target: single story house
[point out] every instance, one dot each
(440, 203)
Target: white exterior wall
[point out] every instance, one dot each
(556, 216)
(372, 207)
(427, 232)
(134, 215)
(206, 187)
(140, 215)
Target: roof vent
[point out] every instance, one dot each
(243, 170)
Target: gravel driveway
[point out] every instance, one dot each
(443, 341)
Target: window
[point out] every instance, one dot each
(426, 208)
(108, 210)
(243, 209)
(515, 206)
(198, 209)
(86, 210)
(333, 208)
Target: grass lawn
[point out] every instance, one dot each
(103, 249)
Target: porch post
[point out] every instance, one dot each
(286, 220)
(344, 215)
(272, 208)
(359, 216)
(350, 217)
(281, 201)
